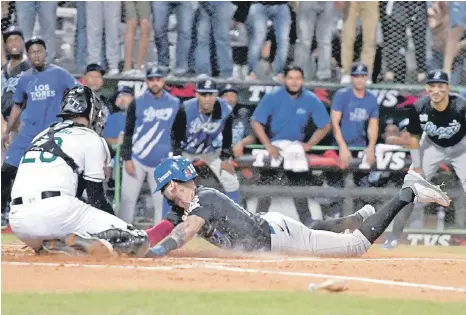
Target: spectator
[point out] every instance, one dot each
(352, 109)
(239, 40)
(184, 20)
(368, 11)
(39, 92)
(100, 16)
(241, 128)
(279, 13)
(46, 11)
(318, 18)
(456, 31)
(215, 16)
(137, 12)
(287, 111)
(115, 124)
(439, 23)
(397, 16)
(93, 78)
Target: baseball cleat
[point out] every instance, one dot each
(366, 212)
(390, 244)
(424, 191)
(89, 244)
(58, 247)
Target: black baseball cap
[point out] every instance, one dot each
(12, 30)
(437, 76)
(206, 85)
(95, 67)
(359, 69)
(35, 40)
(228, 88)
(155, 73)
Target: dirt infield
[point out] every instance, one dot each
(387, 274)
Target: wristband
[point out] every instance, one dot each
(415, 158)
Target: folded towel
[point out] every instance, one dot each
(294, 157)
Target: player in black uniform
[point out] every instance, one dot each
(218, 219)
(14, 68)
(437, 127)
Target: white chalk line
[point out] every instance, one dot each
(348, 278)
(311, 259)
(245, 270)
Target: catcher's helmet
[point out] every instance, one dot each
(175, 168)
(80, 101)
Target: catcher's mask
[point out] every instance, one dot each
(81, 101)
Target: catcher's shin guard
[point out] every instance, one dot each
(131, 242)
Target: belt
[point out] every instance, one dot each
(44, 195)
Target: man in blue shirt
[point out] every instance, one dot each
(146, 142)
(115, 123)
(39, 93)
(355, 122)
(286, 112)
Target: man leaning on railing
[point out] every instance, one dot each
(286, 112)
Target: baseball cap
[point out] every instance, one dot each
(207, 85)
(437, 76)
(228, 88)
(155, 73)
(359, 69)
(124, 89)
(12, 30)
(95, 67)
(35, 40)
(403, 124)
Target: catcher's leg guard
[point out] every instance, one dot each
(131, 242)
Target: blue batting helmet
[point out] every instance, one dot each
(174, 168)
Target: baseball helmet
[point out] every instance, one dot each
(80, 101)
(12, 30)
(175, 168)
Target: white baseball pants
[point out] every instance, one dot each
(130, 189)
(39, 219)
(292, 236)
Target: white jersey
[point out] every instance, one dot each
(43, 171)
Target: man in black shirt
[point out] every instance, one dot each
(437, 127)
(225, 224)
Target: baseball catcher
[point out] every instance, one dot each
(46, 213)
(218, 219)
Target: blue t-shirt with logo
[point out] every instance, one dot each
(42, 92)
(152, 128)
(288, 116)
(114, 125)
(355, 114)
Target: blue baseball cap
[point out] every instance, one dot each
(155, 73)
(175, 168)
(228, 88)
(359, 69)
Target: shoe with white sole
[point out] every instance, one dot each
(58, 247)
(390, 243)
(366, 212)
(424, 191)
(89, 244)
